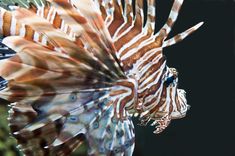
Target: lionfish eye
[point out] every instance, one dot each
(170, 80)
(172, 76)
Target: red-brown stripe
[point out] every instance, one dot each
(7, 17)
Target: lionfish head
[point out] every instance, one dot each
(170, 102)
(182, 103)
(179, 102)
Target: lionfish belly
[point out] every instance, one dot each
(79, 70)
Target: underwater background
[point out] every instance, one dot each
(206, 65)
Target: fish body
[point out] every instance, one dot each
(80, 70)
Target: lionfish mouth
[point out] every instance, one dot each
(179, 115)
(183, 105)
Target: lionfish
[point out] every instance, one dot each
(78, 70)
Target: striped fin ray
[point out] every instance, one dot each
(9, 26)
(52, 128)
(89, 35)
(136, 30)
(97, 112)
(96, 120)
(107, 9)
(44, 71)
(63, 15)
(52, 109)
(81, 118)
(96, 22)
(128, 15)
(30, 33)
(151, 13)
(118, 19)
(35, 138)
(31, 142)
(132, 17)
(60, 40)
(103, 8)
(181, 36)
(62, 124)
(20, 115)
(42, 132)
(165, 30)
(49, 13)
(67, 147)
(110, 136)
(132, 51)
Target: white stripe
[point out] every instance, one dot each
(36, 36)
(149, 98)
(13, 26)
(146, 56)
(38, 11)
(125, 32)
(166, 106)
(146, 81)
(136, 50)
(22, 30)
(173, 15)
(49, 14)
(42, 13)
(118, 29)
(53, 16)
(173, 94)
(62, 25)
(44, 40)
(151, 10)
(132, 41)
(148, 66)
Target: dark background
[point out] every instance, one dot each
(206, 64)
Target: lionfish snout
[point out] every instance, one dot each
(180, 105)
(179, 102)
(166, 103)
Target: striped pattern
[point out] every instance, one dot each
(139, 50)
(82, 69)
